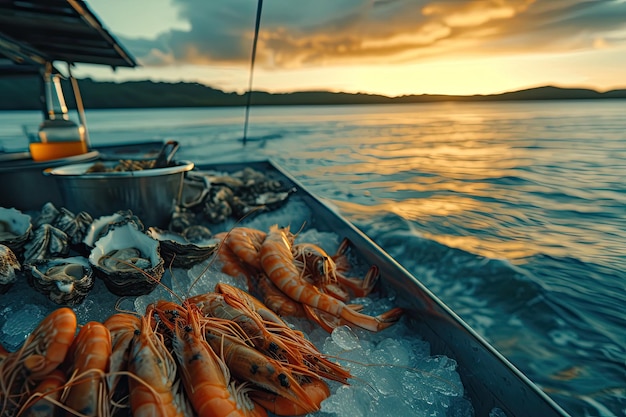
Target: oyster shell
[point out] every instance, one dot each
(217, 204)
(128, 261)
(75, 226)
(8, 265)
(197, 233)
(102, 225)
(47, 242)
(65, 281)
(178, 251)
(15, 228)
(195, 190)
(47, 214)
(181, 219)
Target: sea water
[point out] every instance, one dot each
(513, 213)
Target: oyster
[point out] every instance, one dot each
(128, 261)
(47, 242)
(47, 214)
(15, 228)
(178, 251)
(8, 265)
(218, 204)
(197, 233)
(102, 225)
(65, 281)
(75, 226)
(216, 196)
(181, 219)
(195, 190)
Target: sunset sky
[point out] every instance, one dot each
(390, 47)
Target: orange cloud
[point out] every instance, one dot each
(333, 32)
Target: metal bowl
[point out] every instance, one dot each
(151, 194)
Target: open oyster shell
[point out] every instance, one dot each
(128, 261)
(15, 228)
(65, 281)
(178, 251)
(8, 265)
(102, 225)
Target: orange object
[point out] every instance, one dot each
(55, 150)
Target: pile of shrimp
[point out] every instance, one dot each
(222, 353)
(300, 280)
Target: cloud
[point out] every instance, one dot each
(332, 32)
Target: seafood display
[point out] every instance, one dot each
(129, 258)
(215, 353)
(300, 280)
(226, 351)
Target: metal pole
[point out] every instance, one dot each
(249, 95)
(79, 106)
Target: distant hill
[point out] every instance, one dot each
(22, 93)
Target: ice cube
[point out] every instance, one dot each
(19, 321)
(345, 338)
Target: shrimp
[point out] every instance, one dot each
(315, 388)
(276, 300)
(3, 353)
(205, 376)
(251, 302)
(122, 327)
(307, 353)
(45, 397)
(325, 273)
(246, 242)
(89, 354)
(278, 263)
(230, 307)
(42, 352)
(360, 287)
(231, 264)
(48, 344)
(153, 385)
(248, 364)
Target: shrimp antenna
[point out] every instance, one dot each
(218, 248)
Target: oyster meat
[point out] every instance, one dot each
(128, 261)
(65, 281)
(8, 265)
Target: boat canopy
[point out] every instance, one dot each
(36, 32)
